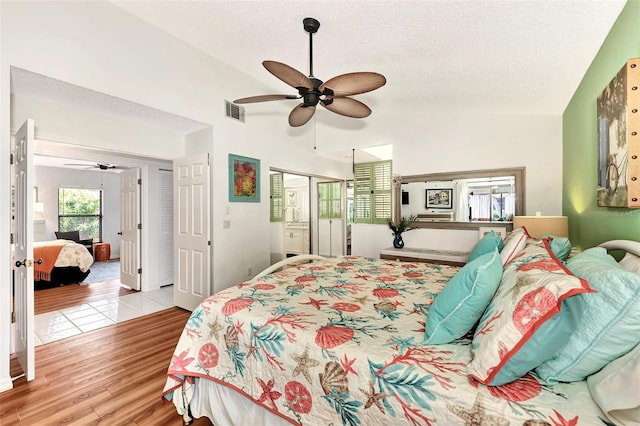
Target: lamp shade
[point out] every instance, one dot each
(540, 225)
(38, 210)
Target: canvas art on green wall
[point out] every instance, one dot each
(618, 139)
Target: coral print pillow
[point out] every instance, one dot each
(530, 317)
(513, 243)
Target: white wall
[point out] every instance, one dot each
(55, 121)
(445, 143)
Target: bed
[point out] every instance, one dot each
(63, 262)
(351, 341)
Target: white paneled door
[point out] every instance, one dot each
(24, 307)
(130, 228)
(192, 240)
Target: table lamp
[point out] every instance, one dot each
(539, 225)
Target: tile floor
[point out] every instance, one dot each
(68, 322)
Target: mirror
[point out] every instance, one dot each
(461, 200)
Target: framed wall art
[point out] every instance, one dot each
(439, 198)
(618, 127)
(244, 179)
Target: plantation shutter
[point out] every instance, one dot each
(330, 200)
(372, 192)
(276, 199)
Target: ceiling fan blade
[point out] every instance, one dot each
(354, 83)
(263, 98)
(289, 75)
(347, 107)
(300, 115)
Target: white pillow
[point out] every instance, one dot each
(631, 262)
(616, 388)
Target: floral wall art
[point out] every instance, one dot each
(244, 179)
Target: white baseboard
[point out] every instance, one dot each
(6, 384)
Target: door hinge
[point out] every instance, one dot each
(140, 181)
(13, 316)
(139, 226)
(209, 243)
(11, 238)
(11, 159)
(139, 270)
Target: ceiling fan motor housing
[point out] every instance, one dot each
(312, 97)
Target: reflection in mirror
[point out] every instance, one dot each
(472, 197)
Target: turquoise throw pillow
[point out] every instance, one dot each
(459, 305)
(487, 244)
(610, 326)
(560, 246)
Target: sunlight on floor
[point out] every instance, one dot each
(56, 325)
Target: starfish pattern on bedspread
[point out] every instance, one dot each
(340, 342)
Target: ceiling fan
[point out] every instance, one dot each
(332, 94)
(101, 166)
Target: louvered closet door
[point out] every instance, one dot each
(330, 219)
(165, 252)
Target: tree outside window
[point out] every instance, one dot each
(81, 209)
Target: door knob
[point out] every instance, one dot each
(27, 262)
(119, 233)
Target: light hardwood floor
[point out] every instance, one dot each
(111, 376)
(66, 296)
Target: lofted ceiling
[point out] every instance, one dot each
(439, 56)
(488, 56)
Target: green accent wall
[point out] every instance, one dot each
(589, 224)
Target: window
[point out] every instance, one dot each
(276, 202)
(372, 192)
(491, 199)
(81, 209)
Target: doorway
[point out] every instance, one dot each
(290, 215)
(101, 125)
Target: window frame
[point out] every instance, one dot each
(99, 215)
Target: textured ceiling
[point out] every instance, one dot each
(485, 56)
(490, 56)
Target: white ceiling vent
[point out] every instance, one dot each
(234, 111)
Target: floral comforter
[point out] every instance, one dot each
(340, 342)
(71, 254)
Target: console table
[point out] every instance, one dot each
(442, 257)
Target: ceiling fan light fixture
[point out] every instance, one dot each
(332, 95)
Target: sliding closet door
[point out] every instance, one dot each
(331, 224)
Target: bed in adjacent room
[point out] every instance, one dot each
(63, 262)
(359, 341)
